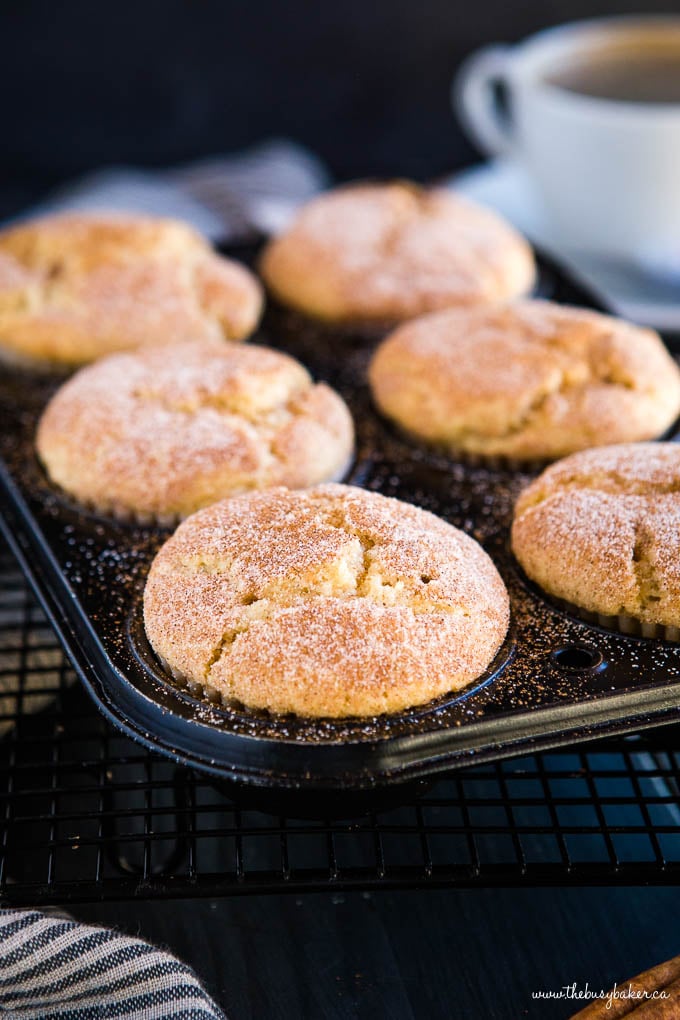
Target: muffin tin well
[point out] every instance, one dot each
(556, 680)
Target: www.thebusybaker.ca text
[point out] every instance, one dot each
(572, 991)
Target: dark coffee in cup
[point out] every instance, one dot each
(635, 73)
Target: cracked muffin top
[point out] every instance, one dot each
(600, 530)
(377, 254)
(332, 602)
(77, 286)
(531, 380)
(160, 432)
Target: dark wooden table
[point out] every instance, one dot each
(435, 955)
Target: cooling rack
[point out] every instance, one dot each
(86, 814)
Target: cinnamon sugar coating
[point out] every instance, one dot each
(600, 530)
(76, 286)
(382, 253)
(530, 380)
(163, 431)
(333, 601)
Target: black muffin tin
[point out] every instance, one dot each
(555, 681)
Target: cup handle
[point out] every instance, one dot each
(473, 99)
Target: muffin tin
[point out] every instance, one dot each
(556, 680)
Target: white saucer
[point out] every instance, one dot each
(622, 288)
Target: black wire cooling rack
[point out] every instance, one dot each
(86, 814)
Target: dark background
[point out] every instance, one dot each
(365, 83)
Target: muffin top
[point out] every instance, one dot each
(376, 254)
(530, 380)
(77, 286)
(333, 602)
(600, 529)
(163, 431)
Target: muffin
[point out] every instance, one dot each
(530, 381)
(371, 255)
(160, 432)
(599, 531)
(77, 286)
(332, 601)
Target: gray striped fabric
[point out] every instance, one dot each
(51, 967)
(227, 198)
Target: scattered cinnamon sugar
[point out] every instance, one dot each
(106, 563)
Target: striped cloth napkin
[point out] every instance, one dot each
(57, 968)
(228, 198)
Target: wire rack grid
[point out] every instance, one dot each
(86, 814)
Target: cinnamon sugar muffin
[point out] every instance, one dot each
(160, 432)
(599, 530)
(376, 254)
(77, 286)
(528, 381)
(333, 602)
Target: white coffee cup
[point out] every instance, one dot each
(608, 169)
